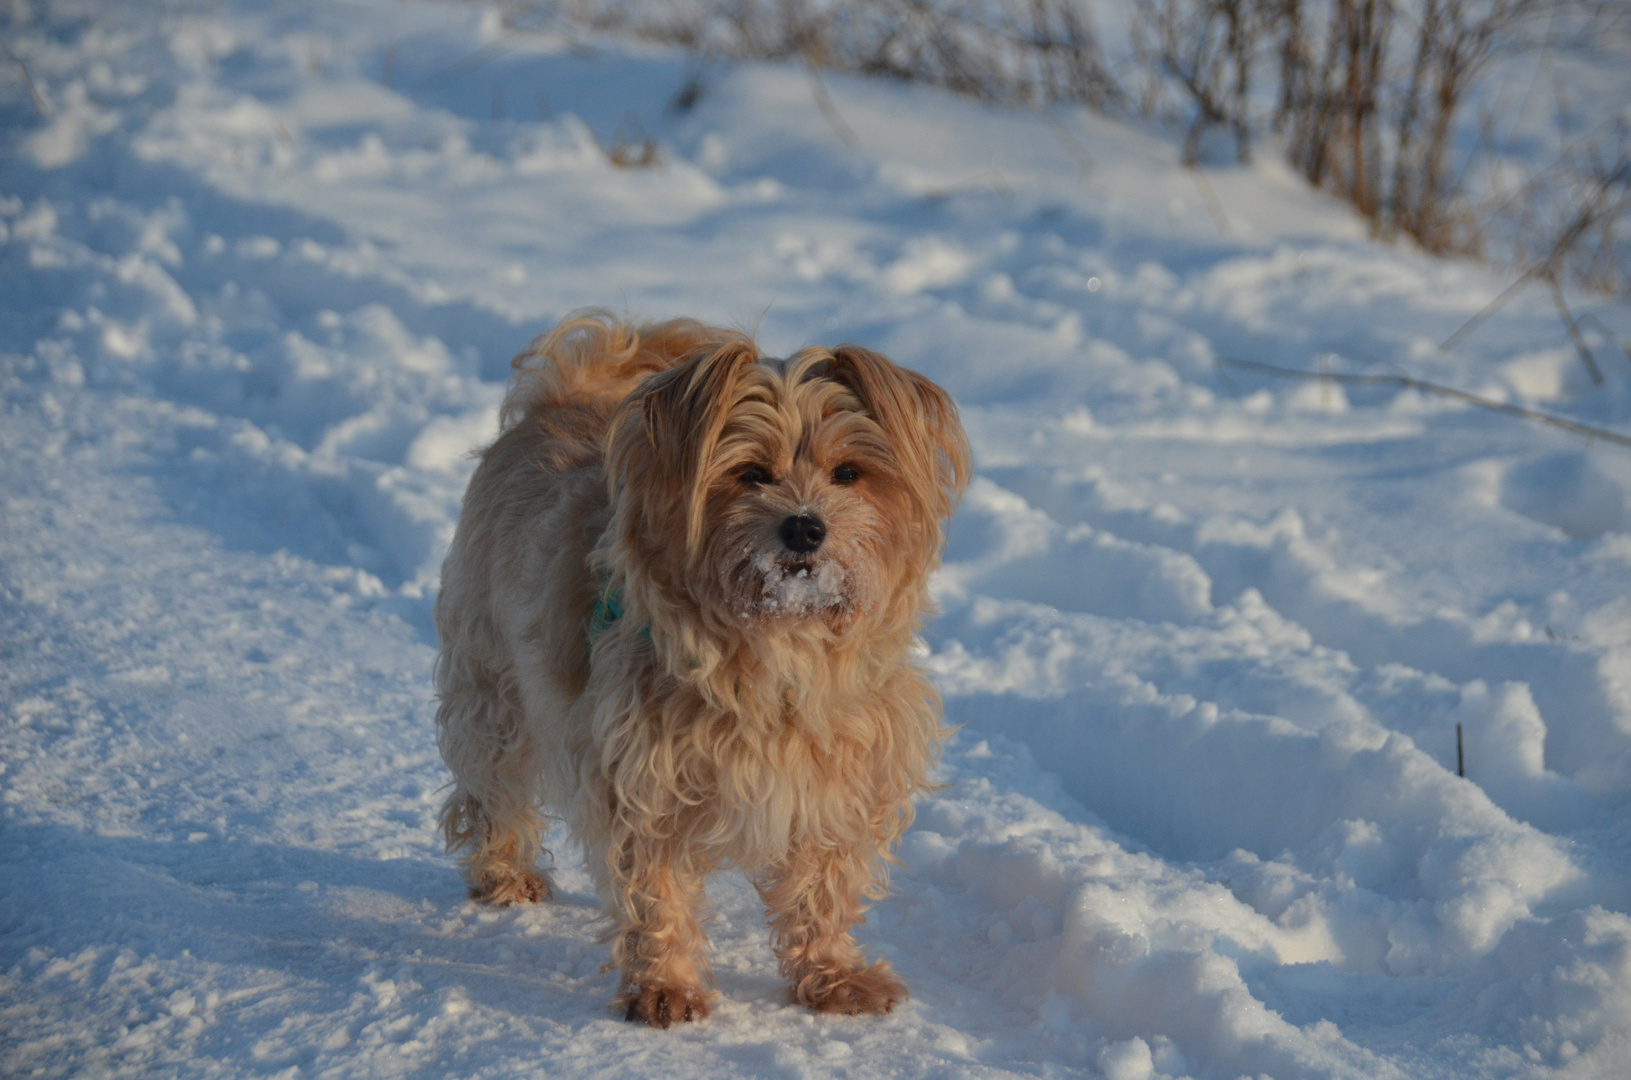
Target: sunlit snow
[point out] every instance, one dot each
(1209, 634)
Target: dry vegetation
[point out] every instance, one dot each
(1369, 99)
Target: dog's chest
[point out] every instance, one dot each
(786, 789)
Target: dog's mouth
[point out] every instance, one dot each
(777, 587)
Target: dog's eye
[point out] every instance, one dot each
(845, 474)
(755, 475)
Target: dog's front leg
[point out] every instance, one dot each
(660, 943)
(814, 900)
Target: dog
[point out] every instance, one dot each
(679, 615)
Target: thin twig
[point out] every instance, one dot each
(487, 53)
(1408, 383)
(1449, 343)
(1547, 265)
(480, 57)
(1072, 143)
(824, 102)
(1602, 328)
(33, 91)
(1567, 316)
(1526, 189)
(1210, 195)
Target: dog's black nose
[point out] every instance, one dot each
(803, 533)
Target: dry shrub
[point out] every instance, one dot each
(1367, 99)
(1370, 102)
(1207, 50)
(1574, 219)
(1366, 93)
(1023, 52)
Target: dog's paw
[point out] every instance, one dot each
(663, 1006)
(869, 990)
(509, 886)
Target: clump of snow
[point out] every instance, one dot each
(798, 589)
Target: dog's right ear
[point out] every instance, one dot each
(665, 438)
(920, 419)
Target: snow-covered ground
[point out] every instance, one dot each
(1209, 633)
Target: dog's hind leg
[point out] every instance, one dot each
(492, 813)
(503, 850)
(813, 900)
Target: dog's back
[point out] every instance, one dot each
(544, 478)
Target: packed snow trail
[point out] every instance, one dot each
(1209, 635)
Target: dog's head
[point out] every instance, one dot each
(753, 491)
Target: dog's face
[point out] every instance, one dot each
(801, 496)
(811, 488)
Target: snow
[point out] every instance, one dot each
(1208, 634)
(804, 591)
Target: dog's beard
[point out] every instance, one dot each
(800, 588)
(770, 585)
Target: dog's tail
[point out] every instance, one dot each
(593, 354)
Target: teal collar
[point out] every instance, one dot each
(608, 610)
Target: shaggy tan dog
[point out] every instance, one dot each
(679, 615)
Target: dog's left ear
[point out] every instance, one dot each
(920, 419)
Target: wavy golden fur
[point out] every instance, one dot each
(767, 529)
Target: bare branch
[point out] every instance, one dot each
(1405, 382)
(1579, 340)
